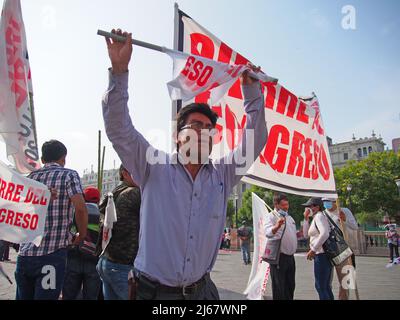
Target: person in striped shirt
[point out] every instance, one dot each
(40, 270)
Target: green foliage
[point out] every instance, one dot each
(295, 201)
(230, 213)
(374, 190)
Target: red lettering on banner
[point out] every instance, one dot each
(301, 113)
(284, 96)
(17, 194)
(188, 64)
(231, 124)
(194, 70)
(296, 158)
(271, 93)
(17, 73)
(10, 217)
(206, 44)
(34, 222)
(307, 151)
(19, 219)
(225, 53)
(300, 157)
(323, 164)
(218, 137)
(36, 196)
(27, 218)
(277, 134)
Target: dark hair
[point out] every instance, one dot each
(53, 150)
(278, 197)
(202, 108)
(121, 176)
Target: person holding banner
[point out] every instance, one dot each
(318, 232)
(184, 194)
(280, 225)
(40, 270)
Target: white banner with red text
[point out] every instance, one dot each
(296, 156)
(23, 207)
(17, 121)
(259, 274)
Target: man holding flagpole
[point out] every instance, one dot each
(184, 199)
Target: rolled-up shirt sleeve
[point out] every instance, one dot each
(129, 144)
(240, 159)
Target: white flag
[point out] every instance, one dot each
(109, 219)
(194, 75)
(23, 207)
(17, 122)
(259, 275)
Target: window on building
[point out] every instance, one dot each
(365, 151)
(369, 149)
(243, 187)
(346, 156)
(359, 152)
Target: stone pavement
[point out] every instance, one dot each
(230, 275)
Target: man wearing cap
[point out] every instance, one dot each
(344, 219)
(280, 225)
(318, 232)
(81, 262)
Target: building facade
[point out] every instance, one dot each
(110, 180)
(356, 149)
(396, 145)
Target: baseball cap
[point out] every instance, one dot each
(313, 202)
(329, 199)
(91, 194)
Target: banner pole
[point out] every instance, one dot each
(134, 41)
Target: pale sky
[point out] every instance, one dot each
(355, 73)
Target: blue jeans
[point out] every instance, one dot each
(323, 272)
(41, 277)
(115, 279)
(81, 274)
(245, 246)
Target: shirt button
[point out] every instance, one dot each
(191, 237)
(195, 194)
(187, 260)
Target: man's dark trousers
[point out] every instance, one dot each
(283, 278)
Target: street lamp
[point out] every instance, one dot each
(349, 187)
(398, 183)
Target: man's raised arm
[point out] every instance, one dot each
(129, 144)
(254, 136)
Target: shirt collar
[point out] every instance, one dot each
(51, 164)
(176, 158)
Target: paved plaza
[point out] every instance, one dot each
(375, 281)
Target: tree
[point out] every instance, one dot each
(374, 191)
(230, 213)
(296, 209)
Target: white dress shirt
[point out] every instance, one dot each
(318, 232)
(289, 240)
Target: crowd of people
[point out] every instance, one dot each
(169, 216)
